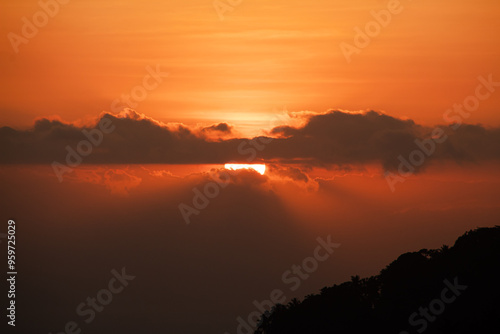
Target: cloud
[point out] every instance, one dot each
(292, 173)
(221, 127)
(217, 132)
(132, 138)
(336, 138)
(245, 234)
(343, 138)
(118, 181)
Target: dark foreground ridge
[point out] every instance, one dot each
(448, 290)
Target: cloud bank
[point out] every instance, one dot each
(334, 138)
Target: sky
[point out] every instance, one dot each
(263, 56)
(377, 121)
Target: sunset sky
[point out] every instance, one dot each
(115, 115)
(263, 56)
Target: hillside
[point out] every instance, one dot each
(448, 290)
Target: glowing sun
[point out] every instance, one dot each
(259, 168)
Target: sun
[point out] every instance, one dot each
(259, 168)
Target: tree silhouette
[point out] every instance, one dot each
(385, 302)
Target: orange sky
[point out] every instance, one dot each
(262, 57)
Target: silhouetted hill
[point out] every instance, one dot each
(448, 290)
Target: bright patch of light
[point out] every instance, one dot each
(259, 168)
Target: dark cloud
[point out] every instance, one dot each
(221, 127)
(292, 173)
(334, 138)
(342, 138)
(216, 132)
(130, 138)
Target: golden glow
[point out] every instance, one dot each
(254, 59)
(259, 168)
